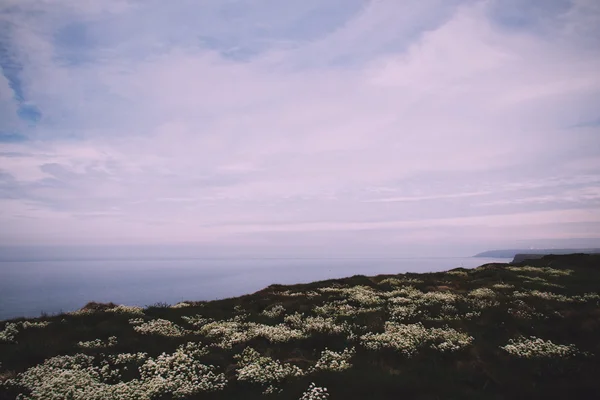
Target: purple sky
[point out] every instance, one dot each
(329, 127)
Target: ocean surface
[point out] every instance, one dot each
(28, 288)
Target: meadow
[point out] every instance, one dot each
(499, 331)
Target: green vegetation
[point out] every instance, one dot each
(499, 331)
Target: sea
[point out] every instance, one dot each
(30, 288)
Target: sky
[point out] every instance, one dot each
(321, 127)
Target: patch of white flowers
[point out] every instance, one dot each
(11, 329)
(182, 304)
(274, 311)
(341, 308)
(136, 321)
(458, 273)
(543, 295)
(196, 320)
(122, 309)
(233, 331)
(318, 324)
(408, 338)
(334, 361)
(126, 358)
(502, 286)
(308, 294)
(255, 368)
(586, 297)
(160, 327)
(79, 377)
(82, 311)
(98, 344)
(400, 281)
(522, 310)
(9, 332)
(400, 312)
(228, 332)
(539, 280)
(275, 333)
(181, 374)
(364, 295)
(534, 347)
(483, 293)
(315, 393)
(542, 270)
(482, 298)
(35, 324)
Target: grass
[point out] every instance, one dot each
(495, 332)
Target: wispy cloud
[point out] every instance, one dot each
(215, 121)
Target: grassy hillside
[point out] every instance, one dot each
(495, 332)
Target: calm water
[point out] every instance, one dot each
(29, 288)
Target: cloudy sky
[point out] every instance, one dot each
(304, 127)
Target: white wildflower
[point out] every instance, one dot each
(409, 338)
(9, 332)
(253, 367)
(315, 393)
(182, 304)
(122, 309)
(98, 344)
(334, 361)
(274, 311)
(161, 327)
(534, 347)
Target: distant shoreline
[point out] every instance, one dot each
(512, 253)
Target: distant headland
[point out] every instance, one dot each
(519, 255)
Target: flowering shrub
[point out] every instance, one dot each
(122, 309)
(232, 331)
(522, 310)
(181, 374)
(341, 308)
(586, 297)
(228, 332)
(315, 393)
(363, 295)
(277, 333)
(126, 358)
(161, 327)
(274, 311)
(9, 332)
(334, 361)
(253, 367)
(196, 320)
(98, 344)
(483, 293)
(83, 311)
(409, 338)
(136, 321)
(542, 270)
(289, 293)
(73, 377)
(539, 280)
(182, 304)
(35, 324)
(503, 286)
(458, 273)
(399, 312)
(399, 281)
(543, 295)
(534, 347)
(79, 377)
